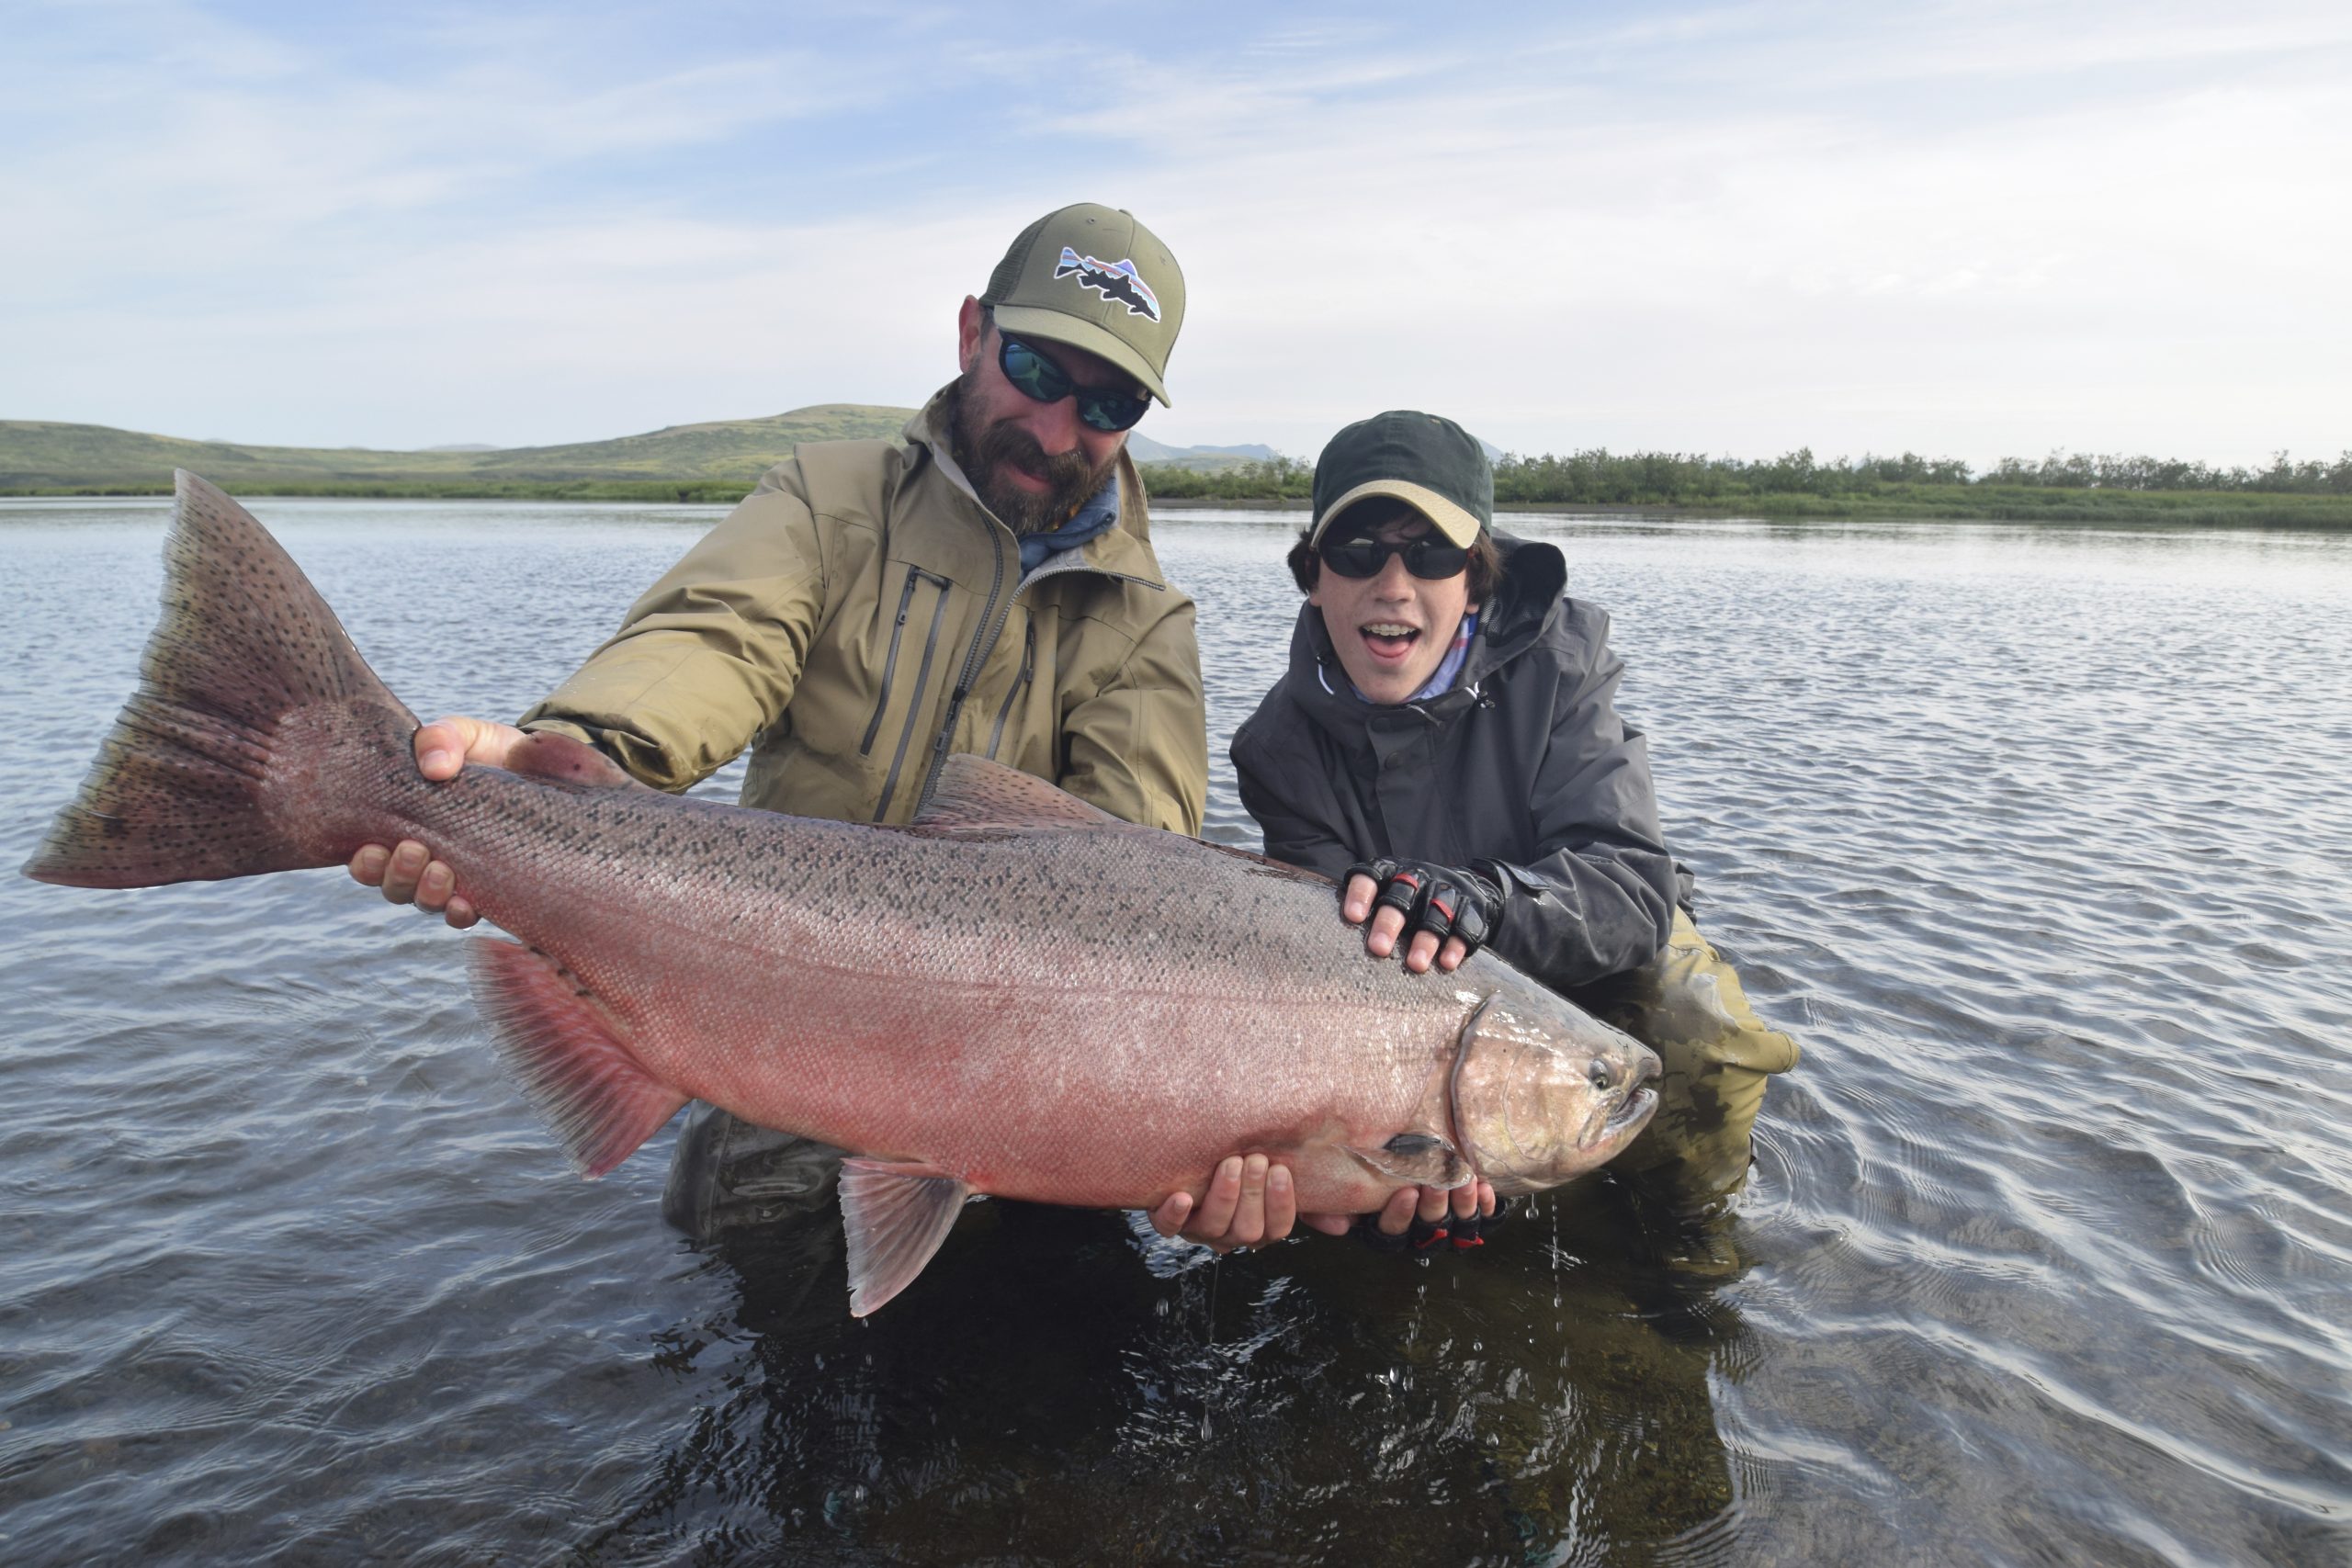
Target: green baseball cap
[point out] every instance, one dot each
(1094, 278)
(1431, 465)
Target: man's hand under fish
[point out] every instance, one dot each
(407, 872)
(1249, 1201)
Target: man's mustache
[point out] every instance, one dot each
(1006, 442)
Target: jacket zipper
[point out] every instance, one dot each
(890, 662)
(1020, 683)
(991, 626)
(983, 644)
(914, 699)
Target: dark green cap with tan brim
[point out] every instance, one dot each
(1096, 279)
(1432, 464)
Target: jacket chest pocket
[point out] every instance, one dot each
(907, 663)
(1020, 685)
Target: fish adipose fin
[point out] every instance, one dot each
(1415, 1160)
(895, 1216)
(976, 795)
(569, 1056)
(248, 680)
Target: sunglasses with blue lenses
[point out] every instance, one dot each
(1432, 557)
(1103, 408)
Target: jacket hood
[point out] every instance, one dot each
(1525, 603)
(1534, 576)
(1123, 550)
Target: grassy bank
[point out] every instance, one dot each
(719, 463)
(1179, 486)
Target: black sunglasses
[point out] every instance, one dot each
(1038, 377)
(1431, 558)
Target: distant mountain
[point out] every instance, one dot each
(461, 446)
(1144, 449)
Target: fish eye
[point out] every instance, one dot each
(1602, 1078)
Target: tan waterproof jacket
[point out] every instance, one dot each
(862, 615)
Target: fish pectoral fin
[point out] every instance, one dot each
(895, 1215)
(976, 795)
(565, 1050)
(1415, 1160)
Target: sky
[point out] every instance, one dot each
(1970, 231)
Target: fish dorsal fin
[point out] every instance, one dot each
(575, 1068)
(976, 795)
(557, 759)
(895, 1215)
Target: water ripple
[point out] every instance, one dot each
(2034, 838)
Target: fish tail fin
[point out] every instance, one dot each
(565, 1049)
(248, 691)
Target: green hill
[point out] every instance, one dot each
(716, 462)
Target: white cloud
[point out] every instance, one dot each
(1975, 232)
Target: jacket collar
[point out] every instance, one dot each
(1122, 550)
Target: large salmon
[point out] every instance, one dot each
(1018, 994)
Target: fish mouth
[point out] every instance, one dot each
(1632, 1112)
(1634, 1106)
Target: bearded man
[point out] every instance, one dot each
(985, 583)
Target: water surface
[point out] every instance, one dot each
(2035, 838)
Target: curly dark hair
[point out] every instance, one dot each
(1486, 568)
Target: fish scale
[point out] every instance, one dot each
(1017, 996)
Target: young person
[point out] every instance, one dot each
(1446, 746)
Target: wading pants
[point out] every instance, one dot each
(725, 1174)
(1687, 1005)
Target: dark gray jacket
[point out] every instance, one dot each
(1524, 763)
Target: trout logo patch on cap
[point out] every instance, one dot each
(1113, 280)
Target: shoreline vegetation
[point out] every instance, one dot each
(718, 463)
(2061, 488)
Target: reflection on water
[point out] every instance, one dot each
(1049, 1391)
(2034, 837)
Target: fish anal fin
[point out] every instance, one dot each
(975, 794)
(895, 1215)
(557, 759)
(574, 1066)
(1415, 1160)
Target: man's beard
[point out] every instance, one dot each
(987, 454)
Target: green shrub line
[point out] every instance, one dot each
(2058, 489)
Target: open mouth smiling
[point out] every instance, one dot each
(1390, 639)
